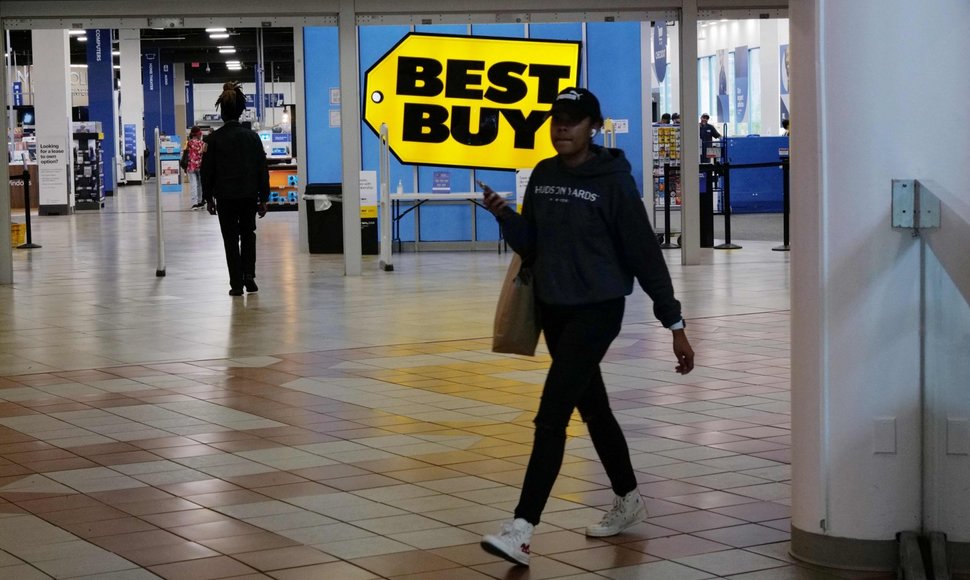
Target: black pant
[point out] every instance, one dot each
(578, 338)
(237, 219)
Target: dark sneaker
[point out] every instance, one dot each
(235, 291)
(512, 543)
(250, 284)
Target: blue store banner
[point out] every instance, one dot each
(260, 92)
(150, 81)
(101, 82)
(660, 50)
(131, 148)
(167, 95)
(189, 104)
(740, 83)
(18, 95)
(785, 64)
(723, 99)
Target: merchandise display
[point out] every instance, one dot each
(666, 149)
(284, 188)
(87, 153)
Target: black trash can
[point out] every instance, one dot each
(325, 227)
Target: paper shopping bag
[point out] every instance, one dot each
(516, 329)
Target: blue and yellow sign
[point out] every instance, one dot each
(469, 101)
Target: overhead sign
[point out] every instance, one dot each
(469, 101)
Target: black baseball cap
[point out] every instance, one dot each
(577, 103)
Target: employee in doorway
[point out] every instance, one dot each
(785, 127)
(708, 134)
(585, 232)
(235, 184)
(665, 119)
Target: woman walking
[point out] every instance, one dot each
(585, 233)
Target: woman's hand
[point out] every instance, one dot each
(683, 352)
(492, 201)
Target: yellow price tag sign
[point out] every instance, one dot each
(469, 101)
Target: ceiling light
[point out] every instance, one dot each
(227, 50)
(220, 36)
(215, 29)
(76, 32)
(79, 66)
(232, 62)
(117, 66)
(82, 38)
(115, 53)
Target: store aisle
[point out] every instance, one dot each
(360, 427)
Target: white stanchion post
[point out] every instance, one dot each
(384, 203)
(159, 222)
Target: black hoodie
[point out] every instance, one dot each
(586, 233)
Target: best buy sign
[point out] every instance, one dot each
(468, 101)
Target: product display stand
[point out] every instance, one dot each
(786, 199)
(29, 245)
(727, 245)
(666, 176)
(384, 202)
(159, 225)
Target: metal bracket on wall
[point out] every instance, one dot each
(914, 206)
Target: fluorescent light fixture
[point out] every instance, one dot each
(79, 66)
(82, 38)
(215, 29)
(115, 53)
(232, 62)
(227, 51)
(220, 36)
(117, 66)
(76, 32)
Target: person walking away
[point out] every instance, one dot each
(708, 134)
(235, 184)
(584, 231)
(194, 149)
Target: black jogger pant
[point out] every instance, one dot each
(578, 338)
(237, 220)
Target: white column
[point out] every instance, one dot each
(132, 98)
(856, 423)
(771, 75)
(298, 121)
(690, 142)
(51, 83)
(350, 136)
(178, 76)
(6, 248)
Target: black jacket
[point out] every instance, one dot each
(587, 233)
(234, 165)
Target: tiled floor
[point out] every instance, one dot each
(356, 428)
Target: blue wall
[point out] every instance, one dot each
(322, 67)
(613, 57)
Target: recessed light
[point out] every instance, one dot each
(115, 53)
(215, 29)
(227, 51)
(82, 38)
(219, 36)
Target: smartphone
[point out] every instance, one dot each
(482, 184)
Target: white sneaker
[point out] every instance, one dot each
(627, 511)
(512, 543)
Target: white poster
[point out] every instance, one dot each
(52, 171)
(368, 194)
(521, 181)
